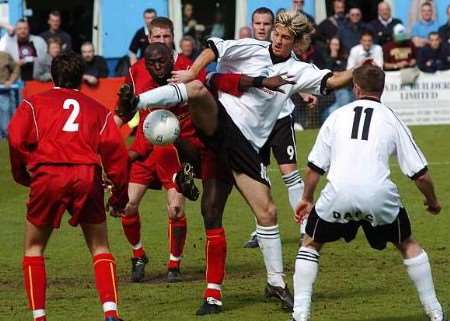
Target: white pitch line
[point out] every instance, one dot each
(272, 169)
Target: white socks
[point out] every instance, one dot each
(295, 186)
(419, 270)
(306, 271)
(270, 244)
(164, 96)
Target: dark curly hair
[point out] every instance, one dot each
(67, 70)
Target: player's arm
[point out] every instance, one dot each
(22, 137)
(237, 84)
(318, 164)
(206, 57)
(413, 164)
(115, 162)
(339, 80)
(425, 185)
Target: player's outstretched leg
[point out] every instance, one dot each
(306, 271)
(177, 231)
(260, 200)
(131, 224)
(213, 203)
(202, 104)
(419, 270)
(33, 266)
(104, 264)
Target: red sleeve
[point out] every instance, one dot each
(115, 162)
(23, 138)
(228, 83)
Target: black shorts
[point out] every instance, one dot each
(282, 143)
(324, 232)
(235, 150)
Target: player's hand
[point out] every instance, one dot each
(433, 207)
(303, 210)
(182, 76)
(310, 100)
(275, 82)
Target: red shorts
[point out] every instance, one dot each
(158, 169)
(57, 188)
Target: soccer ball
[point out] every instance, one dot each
(161, 127)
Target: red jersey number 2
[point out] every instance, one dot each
(71, 125)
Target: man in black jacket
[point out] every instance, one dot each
(383, 26)
(140, 38)
(434, 56)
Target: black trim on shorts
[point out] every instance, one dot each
(316, 168)
(422, 172)
(378, 236)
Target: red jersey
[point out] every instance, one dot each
(64, 126)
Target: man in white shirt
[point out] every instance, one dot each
(282, 139)
(366, 197)
(239, 127)
(365, 50)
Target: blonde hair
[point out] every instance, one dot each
(295, 22)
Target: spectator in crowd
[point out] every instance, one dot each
(41, 70)
(351, 32)
(140, 38)
(330, 27)
(24, 48)
(245, 32)
(424, 26)
(383, 26)
(444, 31)
(434, 56)
(299, 5)
(399, 53)
(96, 66)
(188, 48)
(54, 23)
(336, 60)
(218, 27)
(415, 14)
(306, 51)
(189, 23)
(366, 49)
(262, 23)
(9, 73)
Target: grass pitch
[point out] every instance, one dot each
(355, 282)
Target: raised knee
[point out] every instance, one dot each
(268, 215)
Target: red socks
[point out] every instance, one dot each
(177, 237)
(106, 283)
(132, 228)
(216, 253)
(35, 282)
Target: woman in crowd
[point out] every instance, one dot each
(336, 60)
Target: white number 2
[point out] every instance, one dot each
(71, 125)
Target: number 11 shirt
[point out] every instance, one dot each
(354, 146)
